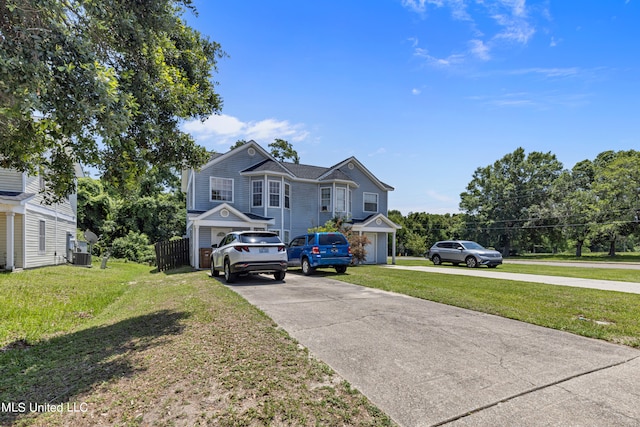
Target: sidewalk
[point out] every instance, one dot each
(428, 364)
(607, 285)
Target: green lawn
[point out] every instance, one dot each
(135, 347)
(126, 346)
(586, 257)
(547, 270)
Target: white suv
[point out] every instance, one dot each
(249, 252)
(464, 251)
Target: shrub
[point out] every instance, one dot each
(133, 247)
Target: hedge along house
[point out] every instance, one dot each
(32, 233)
(248, 189)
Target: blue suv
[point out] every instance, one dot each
(314, 250)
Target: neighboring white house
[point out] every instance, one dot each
(32, 233)
(248, 189)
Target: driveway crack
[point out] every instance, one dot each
(532, 390)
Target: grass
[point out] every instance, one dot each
(546, 270)
(610, 316)
(125, 346)
(586, 257)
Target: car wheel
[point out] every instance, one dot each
(436, 260)
(306, 267)
(471, 262)
(214, 272)
(279, 275)
(341, 269)
(229, 277)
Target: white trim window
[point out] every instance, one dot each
(256, 193)
(341, 200)
(287, 196)
(325, 199)
(221, 189)
(370, 202)
(274, 194)
(42, 237)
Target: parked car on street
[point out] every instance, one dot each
(464, 251)
(314, 250)
(249, 252)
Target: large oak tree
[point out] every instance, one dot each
(104, 83)
(500, 195)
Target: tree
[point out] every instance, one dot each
(105, 84)
(571, 203)
(282, 150)
(616, 188)
(415, 244)
(95, 206)
(239, 143)
(499, 195)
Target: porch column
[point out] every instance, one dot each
(393, 248)
(196, 245)
(10, 241)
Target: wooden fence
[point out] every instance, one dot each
(172, 254)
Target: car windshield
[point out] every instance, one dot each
(332, 239)
(259, 238)
(473, 245)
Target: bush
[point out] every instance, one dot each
(133, 247)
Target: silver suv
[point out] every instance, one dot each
(464, 251)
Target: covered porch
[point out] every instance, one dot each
(208, 228)
(12, 226)
(377, 228)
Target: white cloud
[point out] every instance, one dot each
(548, 72)
(226, 130)
(515, 24)
(480, 50)
(419, 6)
(439, 62)
(415, 91)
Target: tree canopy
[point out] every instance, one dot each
(283, 150)
(103, 84)
(500, 195)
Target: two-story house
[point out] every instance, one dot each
(248, 189)
(32, 233)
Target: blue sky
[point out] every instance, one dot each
(423, 92)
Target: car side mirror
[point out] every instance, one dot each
(214, 246)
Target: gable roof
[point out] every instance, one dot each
(295, 170)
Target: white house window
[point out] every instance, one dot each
(221, 189)
(42, 237)
(370, 202)
(256, 197)
(341, 200)
(325, 199)
(287, 196)
(274, 194)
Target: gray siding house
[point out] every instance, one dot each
(32, 234)
(247, 189)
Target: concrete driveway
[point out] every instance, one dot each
(427, 364)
